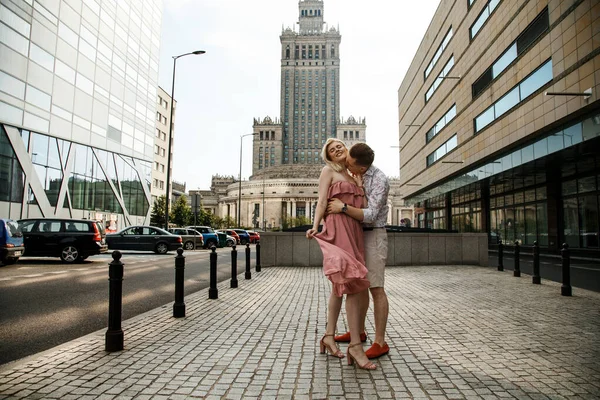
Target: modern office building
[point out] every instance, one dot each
(78, 90)
(500, 122)
(161, 145)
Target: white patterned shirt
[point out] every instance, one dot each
(377, 188)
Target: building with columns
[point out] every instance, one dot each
(286, 151)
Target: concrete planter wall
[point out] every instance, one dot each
(292, 249)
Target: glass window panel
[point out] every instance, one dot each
(535, 81)
(53, 182)
(506, 162)
(38, 98)
(509, 200)
(508, 101)
(510, 225)
(555, 142)
(516, 158)
(573, 135)
(484, 119)
(504, 60)
(520, 224)
(569, 187)
(479, 22)
(540, 148)
(519, 197)
(452, 143)
(80, 159)
(542, 223)
(12, 86)
(591, 127)
(527, 154)
(529, 195)
(41, 57)
(540, 193)
(76, 189)
(571, 222)
(39, 152)
(530, 224)
(587, 184)
(13, 40)
(588, 215)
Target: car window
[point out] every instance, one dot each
(151, 231)
(13, 229)
(100, 228)
(49, 226)
(131, 231)
(27, 226)
(77, 227)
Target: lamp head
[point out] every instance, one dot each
(198, 52)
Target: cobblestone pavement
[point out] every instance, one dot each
(454, 332)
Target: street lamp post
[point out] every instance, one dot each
(240, 180)
(197, 52)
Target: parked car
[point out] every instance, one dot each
(11, 241)
(244, 237)
(144, 238)
(254, 236)
(233, 233)
(230, 241)
(191, 237)
(210, 237)
(73, 240)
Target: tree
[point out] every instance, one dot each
(181, 213)
(157, 216)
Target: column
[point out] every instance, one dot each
(293, 208)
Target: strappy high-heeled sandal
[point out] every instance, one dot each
(368, 365)
(325, 347)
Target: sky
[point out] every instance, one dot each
(220, 93)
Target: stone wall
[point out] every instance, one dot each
(293, 249)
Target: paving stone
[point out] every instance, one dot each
(455, 332)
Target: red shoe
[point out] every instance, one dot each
(345, 338)
(377, 351)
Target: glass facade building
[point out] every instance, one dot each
(520, 156)
(78, 90)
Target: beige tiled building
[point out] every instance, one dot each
(500, 121)
(161, 143)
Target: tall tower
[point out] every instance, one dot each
(310, 85)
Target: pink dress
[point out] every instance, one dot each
(342, 244)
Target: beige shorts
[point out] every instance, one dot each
(376, 249)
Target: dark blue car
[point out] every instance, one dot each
(11, 241)
(244, 236)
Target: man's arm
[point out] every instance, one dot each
(335, 207)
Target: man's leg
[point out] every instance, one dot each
(376, 248)
(381, 310)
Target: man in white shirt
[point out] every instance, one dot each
(376, 186)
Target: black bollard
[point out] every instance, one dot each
(517, 271)
(258, 256)
(565, 289)
(248, 273)
(536, 279)
(179, 305)
(234, 281)
(213, 292)
(500, 257)
(114, 334)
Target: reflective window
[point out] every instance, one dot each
(13, 40)
(11, 174)
(450, 114)
(441, 151)
(516, 95)
(438, 52)
(12, 86)
(488, 9)
(438, 81)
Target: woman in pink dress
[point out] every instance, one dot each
(341, 242)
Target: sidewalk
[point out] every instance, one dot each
(454, 332)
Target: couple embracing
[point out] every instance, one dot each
(353, 206)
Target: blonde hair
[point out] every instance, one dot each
(325, 156)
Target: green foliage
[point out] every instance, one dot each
(157, 215)
(290, 222)
(180, 212)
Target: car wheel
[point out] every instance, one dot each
(244, 241)
(230, 243)
(69, 254)
(161, 248)
(189, 245)
(210, 243)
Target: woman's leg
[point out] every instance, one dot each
(333, 312)
(354, 309)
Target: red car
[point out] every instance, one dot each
(233, 233)
(254, 236)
